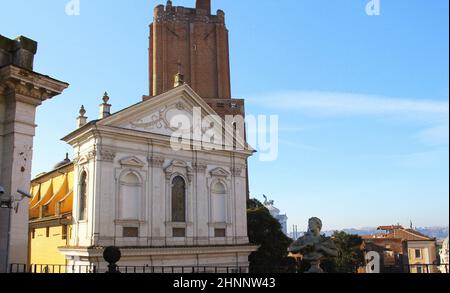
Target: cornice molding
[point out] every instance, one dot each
(28, 86)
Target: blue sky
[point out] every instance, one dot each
(362, 101)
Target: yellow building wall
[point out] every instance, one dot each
(50, 206)
(44, 250)
(428, 252)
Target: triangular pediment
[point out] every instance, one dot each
(156, 114)
(219, 172)
(131, 162)
(159, 115)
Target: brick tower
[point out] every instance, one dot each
(194, 43)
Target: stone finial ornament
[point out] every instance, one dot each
(105, 98)
(82, 120)
(313, 246)
(179, 80)
(105, 108)
(82, 111)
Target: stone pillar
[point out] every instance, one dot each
(158, 205)
(240, 205)
(21, 91)
(201, 214)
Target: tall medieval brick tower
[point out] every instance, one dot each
(194, 43)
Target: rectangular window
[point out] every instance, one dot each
(179, 232)
(219, 233)
(33, 233)
(47, 232)
(418, 253)
(130, 232)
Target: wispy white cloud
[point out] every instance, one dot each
(339, 103)
(431, 115)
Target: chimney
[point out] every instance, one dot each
(204, 5)
(82, 120)
(105, 108)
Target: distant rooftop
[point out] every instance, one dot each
(390, 228)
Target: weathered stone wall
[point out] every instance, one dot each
(19, 52)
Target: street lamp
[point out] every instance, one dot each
(7, 201)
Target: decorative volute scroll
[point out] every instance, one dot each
(132, 162)
(180, 167)
(158, 120)
(219, 172)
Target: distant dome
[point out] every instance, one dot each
(63, 163)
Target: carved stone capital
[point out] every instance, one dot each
(190, 173)
(91, 155)
(107, 155)
(237, 170)
(199, 167)
(156, 161)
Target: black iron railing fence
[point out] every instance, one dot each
(92, 269)
(425, 268)
(182, 270)
(52, 269)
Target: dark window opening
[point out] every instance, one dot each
(130, 232)
(178, 200)
(82, 208)
(219, 233)
(179, 232)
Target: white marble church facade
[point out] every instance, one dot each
(160, 206)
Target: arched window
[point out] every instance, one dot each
(218, 202)
(82, 197)
(178, 200)
(129, 202)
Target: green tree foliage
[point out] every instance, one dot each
(265, 231)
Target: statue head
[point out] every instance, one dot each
(315, 226)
